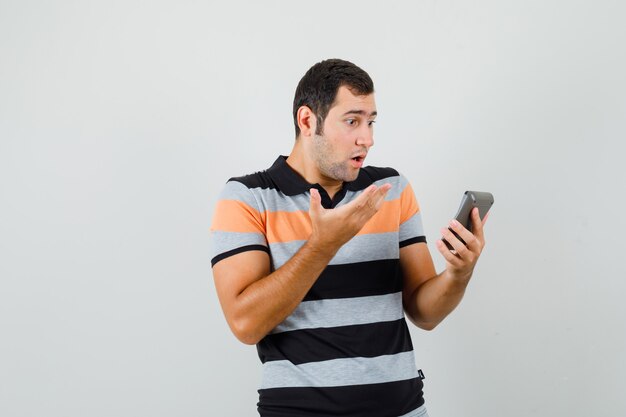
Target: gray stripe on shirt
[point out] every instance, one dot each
(224, 241)
(339, 372)
(273, 200)
(418, 412)
(398, 184)
(343, 312)
(234, 190)
(412, 227)
(361, 248)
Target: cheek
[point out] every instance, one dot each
(322, 147)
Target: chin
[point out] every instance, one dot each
(343, 173)
(350, 178)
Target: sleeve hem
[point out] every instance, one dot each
(230, 253)
(418, 239)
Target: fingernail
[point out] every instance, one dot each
(454, 223)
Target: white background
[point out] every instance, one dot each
(120, 121)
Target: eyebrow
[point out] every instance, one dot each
(360, 113)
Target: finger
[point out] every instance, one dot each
(477, 226)
(362, 200)
(460, 248)
(378, 197)
(450, 257)
(467, 237)
(452, 239)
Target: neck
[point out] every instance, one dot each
(302, 163)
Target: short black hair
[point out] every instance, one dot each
(318, 88)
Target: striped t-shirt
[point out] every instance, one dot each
(346, 349)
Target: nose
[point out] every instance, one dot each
(365, 137)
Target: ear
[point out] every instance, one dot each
(307, 121)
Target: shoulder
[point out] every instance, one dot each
(379, 175)
(258, 190)
(245, 184)
(260, 179)
(269, 178)
(242, 188)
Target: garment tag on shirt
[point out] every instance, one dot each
(421, 374)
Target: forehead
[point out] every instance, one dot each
(347, 101)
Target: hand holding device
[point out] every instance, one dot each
(482, 200)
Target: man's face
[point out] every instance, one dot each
(340, 150)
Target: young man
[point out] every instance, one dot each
(317, 259)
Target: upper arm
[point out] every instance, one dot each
(240, 252)
(234, 274)
(416, 262)
(417, 267)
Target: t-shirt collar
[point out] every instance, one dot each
(291, 183)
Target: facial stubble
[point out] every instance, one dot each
(324, 157)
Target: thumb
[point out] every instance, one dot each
(315, 207)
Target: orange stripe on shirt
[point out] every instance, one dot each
(409, 204)
(280, 226)
(385, 220)
(237, 216)
(288, 226)
(285, 227)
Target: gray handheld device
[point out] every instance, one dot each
(482, 200)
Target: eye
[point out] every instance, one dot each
(371, 122)
(351, 122)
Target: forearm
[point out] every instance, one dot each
(267, 302)
(432, 301)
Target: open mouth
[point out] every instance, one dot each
(357, 161)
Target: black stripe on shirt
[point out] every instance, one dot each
(280, 176)
(369, 175)
(418, 239)
(312, 345)
(256, 180)
(371, 400)
(359, 279)
(235, 251)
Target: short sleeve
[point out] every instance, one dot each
(411, 228)
(237, 225)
